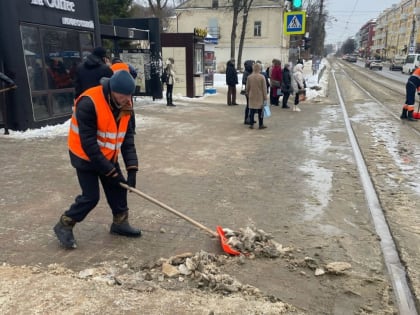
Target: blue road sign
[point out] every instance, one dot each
(294, 22)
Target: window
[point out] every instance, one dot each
(257, 28)
(51, 57)
(198, 57)
(215, 4)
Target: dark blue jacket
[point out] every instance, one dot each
(231, 74)
(89, 74)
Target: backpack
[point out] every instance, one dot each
(164, 77)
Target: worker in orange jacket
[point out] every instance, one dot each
(99, 132)
(413, 85)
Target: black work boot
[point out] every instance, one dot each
(64, 231)
(121, 226)
(404, 114)
(410, 116)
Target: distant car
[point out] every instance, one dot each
(352, 58)
(397, 63)
(376, 64)
(412, 61)
(367, 63)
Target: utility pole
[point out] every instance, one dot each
(320, 36)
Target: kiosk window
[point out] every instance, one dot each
(198, 58)
(51, 57)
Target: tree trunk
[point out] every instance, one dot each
(247, 5)
(233, 33)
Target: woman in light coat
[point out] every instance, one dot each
(170, 74)
(256, 89)
(298, 84)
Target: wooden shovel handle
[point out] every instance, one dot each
(8, 88)
(172, 210)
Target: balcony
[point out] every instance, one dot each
(403, 16)
(403, 30)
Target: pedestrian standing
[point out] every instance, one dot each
(99, 131)
(231, 81)
(286, 85)
(9, 85)
(276, 77)
(412, 85)
(89, 73)
(247, 71)
(298, 83)
(169, 75)
(256, 90)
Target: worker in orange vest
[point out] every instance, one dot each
(99, 131)
(118, 64)
(413, 85)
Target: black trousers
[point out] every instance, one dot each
(252, 112)
(169, 89)
(84, 203)
(296, 98)
(246, 109)
(231, 95)
(286, 96)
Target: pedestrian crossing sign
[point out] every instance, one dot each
(294, 22)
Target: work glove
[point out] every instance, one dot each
(131, 178)
(115, 178)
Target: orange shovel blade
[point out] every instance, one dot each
(223, 241)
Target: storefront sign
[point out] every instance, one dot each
(56, 4)
(79, 23)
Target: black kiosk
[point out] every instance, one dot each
(41, 42)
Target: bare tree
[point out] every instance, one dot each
(317, 18)
(237, 8)
(246, 7)
(161, 9)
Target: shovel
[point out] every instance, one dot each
(8, 88)
(220, 233)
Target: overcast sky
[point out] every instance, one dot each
(348, 16)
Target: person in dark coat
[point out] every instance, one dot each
(247, 71)
(89, 73)
(286, 85)
(99, 131)
(231, 81)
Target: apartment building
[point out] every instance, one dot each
(397, 30)
(264, 38)
(366, 36)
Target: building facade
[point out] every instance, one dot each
(264, 38)
(366, 35)
(41, 42)
(396, 31)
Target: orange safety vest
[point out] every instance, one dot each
(120, 66)
(109, 136)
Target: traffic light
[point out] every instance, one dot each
(297, 5)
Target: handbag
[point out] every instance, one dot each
(302, 96)
(279, 92)
(274, 83)
(267, 110)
